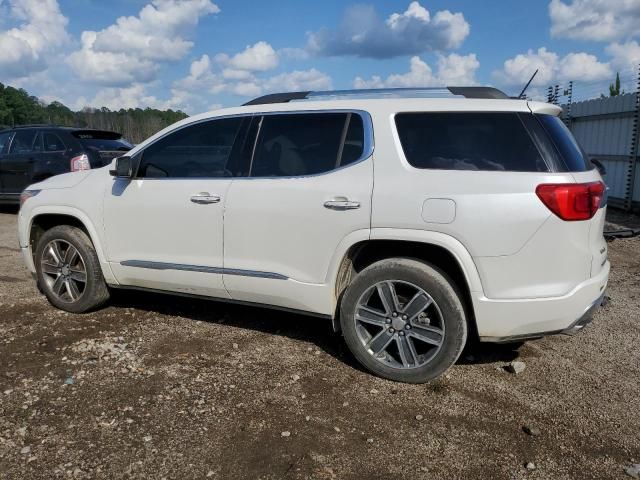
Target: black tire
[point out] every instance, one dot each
(443, 292)
(96, 292)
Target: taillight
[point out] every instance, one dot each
(81, 162)
(572, 201)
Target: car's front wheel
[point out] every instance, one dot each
(403, 320)
(68, 270)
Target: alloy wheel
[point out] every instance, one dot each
(64, 271)
(399, 324)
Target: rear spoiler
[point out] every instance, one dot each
(544, 108)
(97, 134)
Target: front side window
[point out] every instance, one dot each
(468, 141)
(23, 142)
(202, 150)
(299, 144)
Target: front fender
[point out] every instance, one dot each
(26, 219)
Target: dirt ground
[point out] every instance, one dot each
(166, 387)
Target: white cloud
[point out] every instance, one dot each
(364, 34)
(136, 96)
(597, 20)
(244, 74)
(625, 56)
(24, 49)
(255, 58)
(452, 69)
(299, 80)
(551, 68)
(201, 77)
(132, 48)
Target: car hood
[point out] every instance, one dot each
(65, 180)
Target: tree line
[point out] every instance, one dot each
(17, 107)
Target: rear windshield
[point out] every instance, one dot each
(468, 141)
(102, 141)
(574, 157)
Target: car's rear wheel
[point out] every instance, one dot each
(69, 271)
(403, 320)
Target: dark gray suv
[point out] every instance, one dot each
(32, 153)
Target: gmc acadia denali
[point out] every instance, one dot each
(413, 219)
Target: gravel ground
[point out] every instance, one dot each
(165, 387)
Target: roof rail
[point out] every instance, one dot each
(442, 92)
(34, 125)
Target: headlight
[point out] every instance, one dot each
(26, 195)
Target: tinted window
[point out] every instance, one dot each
(52, 143)
(23, 141)
(574, 157)
(120, 145)
(354, 141)
(200, 150)
(304, 144)
(4, 140)
(468, 141)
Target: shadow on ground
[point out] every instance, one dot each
(296, 326)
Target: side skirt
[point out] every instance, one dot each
(223, 300)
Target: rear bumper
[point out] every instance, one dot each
(521, 319)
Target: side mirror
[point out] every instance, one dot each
(124, 167)
(599, 166)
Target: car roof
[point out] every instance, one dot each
(378, 102)
(56, 127)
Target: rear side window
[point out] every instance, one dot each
(292, 145)
(468, 141)
(23, 141)
(575, 159)
(52, 143)
(202, 150)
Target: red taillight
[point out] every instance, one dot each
(572, 201)
(81, 162)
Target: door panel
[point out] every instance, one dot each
(157, 237)
(290, 224)
(164, 229)
(281, 225)
(18, 163)
(5, 139)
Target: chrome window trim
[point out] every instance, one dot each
(202, 269)
(367, 148)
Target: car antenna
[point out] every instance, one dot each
(527, 85)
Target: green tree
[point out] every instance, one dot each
(17, 107)
(614, 88)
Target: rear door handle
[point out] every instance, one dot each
(341, 203)
(204, 198)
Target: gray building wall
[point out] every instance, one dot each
(606, 129)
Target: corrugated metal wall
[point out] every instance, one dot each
(606, 129)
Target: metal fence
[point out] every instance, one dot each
(607, 128)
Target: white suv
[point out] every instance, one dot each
(413, 219)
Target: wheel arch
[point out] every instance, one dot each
(43, 219)
(440, 250)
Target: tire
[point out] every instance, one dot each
(422, 360)
(86, 296)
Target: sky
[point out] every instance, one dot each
(199, 55)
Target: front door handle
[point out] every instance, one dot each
(204, 198)
(341, 203)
